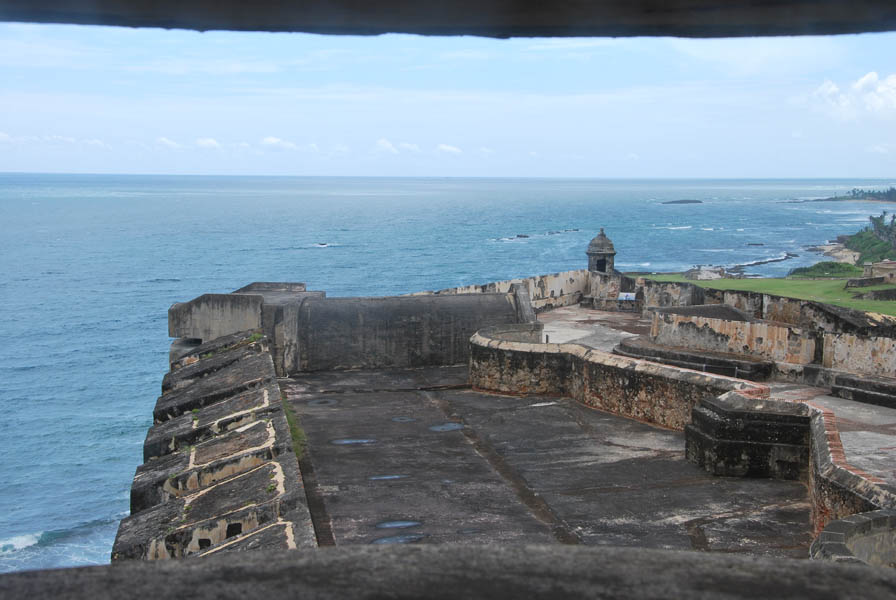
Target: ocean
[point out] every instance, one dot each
(91, 264)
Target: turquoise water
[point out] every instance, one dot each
(91, 264)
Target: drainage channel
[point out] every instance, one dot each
(320, 519)
(542, 511)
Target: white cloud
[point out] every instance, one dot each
(632, 156)
(96, 143)
(449, 149)
(384, 145)
(883, 148)
(5, 137)
(868, 95)
(277, 143)
(163, 141)
(207, 143)
(59, 139)
(409, 147)
(486, 151)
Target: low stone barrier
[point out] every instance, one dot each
(868, 538)
(629, 387)
(545, 291)
(836, 488)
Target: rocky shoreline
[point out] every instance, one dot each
(838, 251)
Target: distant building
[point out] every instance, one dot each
(885, 268)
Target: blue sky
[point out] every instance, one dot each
(114, 100)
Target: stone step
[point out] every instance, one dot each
(212, 420)
(865, 388)
(249, 372)
(209, 462)
(731, 365)
(190, 524)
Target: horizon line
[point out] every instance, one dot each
(532, 177)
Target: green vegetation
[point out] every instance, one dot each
(830, 291)
(827, 269)
(871, 247)
(888, 195)
(272, 487)
(244, 342)
(295, 430)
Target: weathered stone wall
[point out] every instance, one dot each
(220, 472)
(629, 387)
(836, 489)
(545, 291)
(860, 354)
(762, 339)
(738, 436)
(212, 316)
(868, 538)
(663, 294)
(403, 331)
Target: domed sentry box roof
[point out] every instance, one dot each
(600, 253)
(601, 244)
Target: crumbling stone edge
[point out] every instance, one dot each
(860, 539)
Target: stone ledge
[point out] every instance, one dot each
(442, 572)
(865, 538)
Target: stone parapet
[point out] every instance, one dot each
(221, 471)
(634, 388)
(867, 538)
(738, 436)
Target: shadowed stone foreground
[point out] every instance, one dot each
(452, 571)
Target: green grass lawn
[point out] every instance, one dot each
(831, 291)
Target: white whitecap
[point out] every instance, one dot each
(19, 542)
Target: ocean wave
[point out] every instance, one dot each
(673, 227)
(20, 542)
(163, 280)
(707, 229)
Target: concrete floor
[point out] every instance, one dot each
(594, 328)
(415, 456)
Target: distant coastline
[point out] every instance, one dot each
(856, 195)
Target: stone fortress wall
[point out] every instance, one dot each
(222, 471)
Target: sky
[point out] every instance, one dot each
(77, 99)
